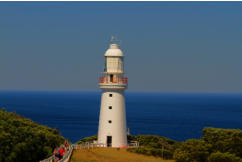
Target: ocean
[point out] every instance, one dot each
(176, 116)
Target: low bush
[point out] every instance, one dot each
(223, 157)
(24, 140)
(87, 139)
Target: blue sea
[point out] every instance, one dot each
(177, 116)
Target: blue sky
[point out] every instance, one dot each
(169, 46)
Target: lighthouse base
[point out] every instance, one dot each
(112, 119)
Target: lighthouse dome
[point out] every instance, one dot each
(114, 51)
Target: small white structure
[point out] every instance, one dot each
(112, 120)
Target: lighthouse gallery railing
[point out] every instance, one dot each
(113, 80)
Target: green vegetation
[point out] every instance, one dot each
(192, 150)
(23, 140)
(154, 145)
(87, 139)
(220, 157)
(216, 145)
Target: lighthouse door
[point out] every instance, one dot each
(109, 141)
(111, 78)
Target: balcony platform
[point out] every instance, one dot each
(116, 82)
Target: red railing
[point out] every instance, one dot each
(117, 80)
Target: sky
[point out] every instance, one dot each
(188, 47)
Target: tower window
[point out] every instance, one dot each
(110, 121)
(105, 65)
(110, 95)
(110, 107)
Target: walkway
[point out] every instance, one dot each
(87, 147)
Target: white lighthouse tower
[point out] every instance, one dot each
(112, 119)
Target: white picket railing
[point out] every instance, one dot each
(65, 158)
(87, 145)
(133, 144)
(67, 155)
(50, 159)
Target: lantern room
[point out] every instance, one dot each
(113, 60)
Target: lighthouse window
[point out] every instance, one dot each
(105, 65)
(110, 95)
(110, 121)
(110, 107)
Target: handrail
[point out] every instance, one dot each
(116, 80)
(67, 155)
(50, 159)
(65, 158)
(87, 145)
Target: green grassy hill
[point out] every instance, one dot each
(23, 140)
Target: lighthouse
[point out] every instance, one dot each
(112, 119)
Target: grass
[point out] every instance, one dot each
(111, 155)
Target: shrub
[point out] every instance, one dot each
(87, 139)
(154, 145)
(223, 157)
(23, 140)
(224, 140)
(192, 150)
(181, 156)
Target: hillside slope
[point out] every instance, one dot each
(111, 155)
(23, 140)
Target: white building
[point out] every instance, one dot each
(112, 119)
